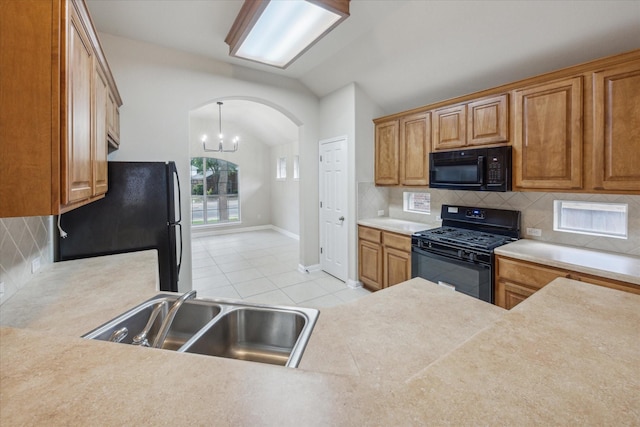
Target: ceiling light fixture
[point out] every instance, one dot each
(277, 32)
(220, 149)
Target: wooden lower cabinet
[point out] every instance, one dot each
(517, 280)
(384, 258)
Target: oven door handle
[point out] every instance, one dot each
(436, 254)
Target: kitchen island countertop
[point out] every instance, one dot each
(569, 354)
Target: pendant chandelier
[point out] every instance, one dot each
(220, 148)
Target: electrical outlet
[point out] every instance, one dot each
(534, 232)
(35, 265)
(381, 213)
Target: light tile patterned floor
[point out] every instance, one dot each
(262, 266)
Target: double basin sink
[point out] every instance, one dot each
(259, 333)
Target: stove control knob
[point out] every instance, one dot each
(472, 257)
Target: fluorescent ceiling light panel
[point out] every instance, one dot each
(277, 32)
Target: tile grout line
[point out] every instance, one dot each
(236, 246)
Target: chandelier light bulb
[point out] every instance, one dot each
(220, 137)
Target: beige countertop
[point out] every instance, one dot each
(609, 265)
(74, 297)
(397, 225)
(415, 354)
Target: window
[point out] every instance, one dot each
(214, 191)
(417, 202)
(296, 167)
(281, 168)
(596, 219)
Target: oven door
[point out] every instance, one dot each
(473, 279)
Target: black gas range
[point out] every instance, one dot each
(459, 255)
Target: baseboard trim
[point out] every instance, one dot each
(354, 284)
(197, 232)
(285, 232)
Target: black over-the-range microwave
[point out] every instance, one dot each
(480, 169)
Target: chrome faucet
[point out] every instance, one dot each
(164, 329)
(141, 338)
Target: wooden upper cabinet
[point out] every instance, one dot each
(548, 135)
(387, 153)
(54, 89)
(449, 127)
(487, 120)
(415, 144)
(77, 153)
(479, 122)
(100, 144)
(113, 121)
(616, 128)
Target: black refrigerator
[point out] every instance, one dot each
(140, 211)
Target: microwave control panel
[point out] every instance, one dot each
(494, 170)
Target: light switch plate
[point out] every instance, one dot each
(381, 213)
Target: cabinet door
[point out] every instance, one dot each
(449, 127)
(387, 153)
(607, 283)
(488, 120)
(397, 266)
(548, 135)
(100, 104)
(509, 294)
(77, 168)
(370, 264)
(113, 121)
(616, 134)
(415, 144)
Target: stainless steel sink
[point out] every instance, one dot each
(256, 334)
(269, 334)
(191, 317)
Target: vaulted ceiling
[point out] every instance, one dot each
(403, 54)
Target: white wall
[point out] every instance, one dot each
(252, 159)
(285, 194)
(159, 87)
(349, 112)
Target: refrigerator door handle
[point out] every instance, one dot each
(180, 257)
(175, 172)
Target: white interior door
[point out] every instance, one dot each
(333, 207)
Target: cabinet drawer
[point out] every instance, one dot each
(607, 283)
(532, 275)
(397, 241)
(369, 234)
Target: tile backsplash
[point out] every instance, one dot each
(22, 240)
(536, 209)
